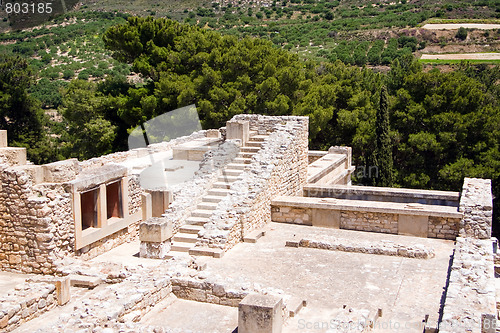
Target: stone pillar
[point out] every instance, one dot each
(63, 290)
(476, 203)
(160, 200)
(155, 235)
(3, 139)
(260, 314)
(238, 129)
(146, 206)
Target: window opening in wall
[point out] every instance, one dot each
(89, 206)
(114, 199)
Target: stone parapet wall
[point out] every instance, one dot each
(37, 227)
(391, 218)
(139, 152)
(278, 168)
(471, 289)
(103, 245)
(384, 194)
(25, 303)
(476, 203)
(264, 124)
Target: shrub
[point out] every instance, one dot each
(461, 33)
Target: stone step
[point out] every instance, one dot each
(254, 144)
(245, 154)
(221, 192)
(253, 236)
(212, 198)
(84, 281)
(294, 305)
(181, 247)
(228, 179)
(241, 160)
(185, 237)
(205, 251)
(190, 229)
(259, 137)
(175, 254)
(231, 172)
(236, 166)
(201, 213)
(222, 185)
(249, 149)
(207, 206)
(196, 220)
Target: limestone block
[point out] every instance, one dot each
(413, 225)
(61, 171)
(155, 250)
(155, 230)
(35, 172)
(260, 314)
(3, 139)
(63, 290)
(14, 155)
(326, 218)
(239, 130)
(146, 206)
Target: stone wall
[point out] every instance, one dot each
(470, 304)
(278, 168)
(207, 292)
(476, 203)
(392, 218)
(443, 227)
(25, 303)
(36, 228)
(379, 248)
(471, 288)
(139, 152)
(368, 221)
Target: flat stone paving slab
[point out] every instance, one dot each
(182, 316)
(9, 280)
(405, 288)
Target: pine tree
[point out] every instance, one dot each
(383, 148)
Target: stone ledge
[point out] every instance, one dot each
(367, 206)
(385, 191)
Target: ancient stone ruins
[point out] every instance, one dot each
(238, 229)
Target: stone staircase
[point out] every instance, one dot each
(184, 241)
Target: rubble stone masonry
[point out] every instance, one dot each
(278, 168)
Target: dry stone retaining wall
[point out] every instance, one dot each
(25, 303)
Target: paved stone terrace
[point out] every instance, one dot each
(406, 289)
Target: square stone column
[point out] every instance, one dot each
(260, 314)
(155, 235)
(238, 129)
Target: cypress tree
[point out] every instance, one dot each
(383, 146)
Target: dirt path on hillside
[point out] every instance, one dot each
(463, 56)
(455, 26)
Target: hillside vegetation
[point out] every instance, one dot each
(443, 125)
